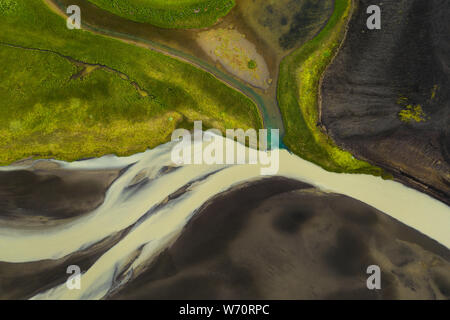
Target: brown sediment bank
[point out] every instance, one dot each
(280, 239)
(238, 55)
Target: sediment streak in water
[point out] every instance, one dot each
(157, 202)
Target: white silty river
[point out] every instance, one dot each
(138, 198)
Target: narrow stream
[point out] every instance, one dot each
(268, 108)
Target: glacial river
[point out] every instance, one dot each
(138, 199)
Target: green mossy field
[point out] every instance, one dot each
(70, 94)
(180, 14)
(298, 97)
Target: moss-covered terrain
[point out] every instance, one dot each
(70, 94)
(181, 14)
(298, 97)
(412, 113)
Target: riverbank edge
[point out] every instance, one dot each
(53, 7)
(305, 136)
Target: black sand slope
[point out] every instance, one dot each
(409, 59)
(25, 280)
(274, 240)
(49, 195)
(46, 195)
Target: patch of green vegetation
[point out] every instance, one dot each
(181, 14)
(434, 91)
(7, 5)
(412, 113)
(327, 53)
(298, 97)
(46, 112)
(403, 101)
(252, 64)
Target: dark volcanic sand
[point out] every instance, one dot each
(278, 239)
(42, 196)
(48, 196)
(408, 57)
(25, 280)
